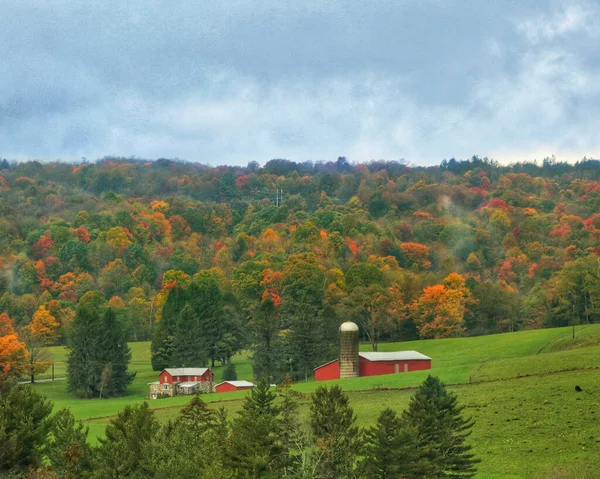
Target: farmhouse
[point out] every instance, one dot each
(352, 364)
(182, 381)
(227, 386)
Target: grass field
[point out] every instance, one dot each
(519, 387)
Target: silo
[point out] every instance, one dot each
(348, 350)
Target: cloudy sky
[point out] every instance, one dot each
(230, 81)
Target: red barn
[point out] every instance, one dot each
(375, 364)
(228, 386)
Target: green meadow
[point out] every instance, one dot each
(519, 387)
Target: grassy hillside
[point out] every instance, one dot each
(519, 387)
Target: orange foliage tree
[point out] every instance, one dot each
(440, 312)
(13, 355)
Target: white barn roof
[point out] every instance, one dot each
(238, 384)
(186, 371)
(395, 356)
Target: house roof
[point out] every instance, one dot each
(185, 371)
(187, 384)
(394, 356)
(238, 384)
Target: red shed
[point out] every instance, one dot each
(228, 386)
(375, 364)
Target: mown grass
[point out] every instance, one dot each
(519, 387)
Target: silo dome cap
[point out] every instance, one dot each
(348, 326)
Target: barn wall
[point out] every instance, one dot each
(226, 387)
(328, 371)
(376, 368)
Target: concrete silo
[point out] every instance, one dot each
(348, 350)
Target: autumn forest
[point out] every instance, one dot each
(272, 259)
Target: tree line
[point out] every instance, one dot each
(462, 248)
(266, 439)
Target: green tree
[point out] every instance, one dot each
(68, 452)
(335, 432)
(229, 372)
(162, 347)
(441, 430)
(189, 342)
(24, 426)
(98, 354)
(115, 354)
(253, 447)
(125, 451)
(391, 450)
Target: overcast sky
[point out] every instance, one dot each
(230, 81)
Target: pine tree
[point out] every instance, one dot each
(24, 426)
(253, 447)
(391, 450)
(196, 417)
(69, 452)
(115, 354)
(333, 425)
(162, 347)
(206, 299)
(230, 372)
(188, 341)
(125, 451)
(83, 366)
(98, 355)
(441, 430)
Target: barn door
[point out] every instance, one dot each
(405, 367)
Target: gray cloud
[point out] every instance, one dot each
(230, 82)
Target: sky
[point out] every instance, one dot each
(228, 82)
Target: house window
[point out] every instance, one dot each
(189, 378)
(165, 386)
(165, 379)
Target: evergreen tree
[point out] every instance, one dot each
(267, 346)
(69, 453)
(391, 450)
(24, 426)
(125, 451)
(305, 342)
(98, 354)
(162, 347)
(333, 425)
(84, 369)
(207, 301)
(253, 447)
(196, 417)
(441, 430)
(230, 372)
(188, 340)
(115, 355)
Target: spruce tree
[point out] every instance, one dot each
(253, 447)
(335, 432)
(98, 355)
(68, 451)
(206, 299)
(196, 417)
(391, 450)
(188, 341)
(441, 430)
(115, 355)
(84, 369)
(126, 451)
(230, 372)
(162, 347)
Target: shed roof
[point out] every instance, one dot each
(154, 382)
(186, 371)
(394, 356)
(238, 384)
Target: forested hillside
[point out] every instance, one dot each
(274, 258)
